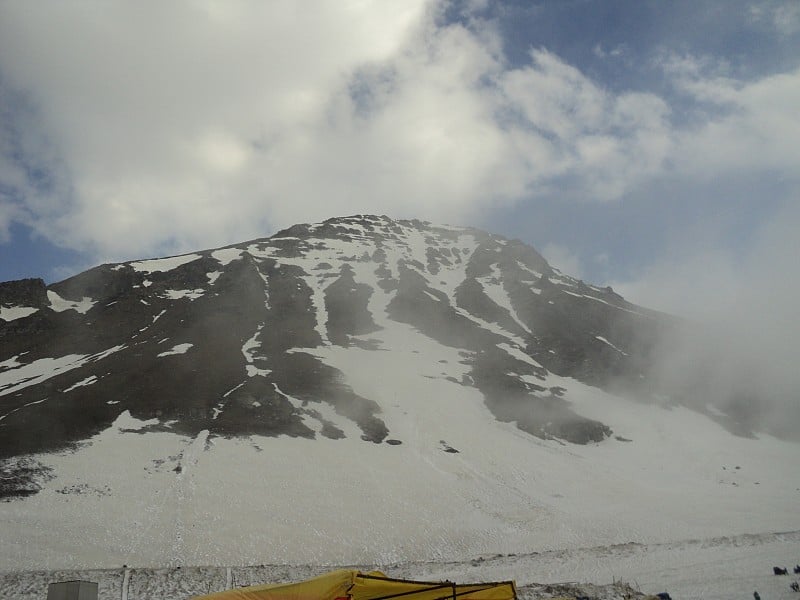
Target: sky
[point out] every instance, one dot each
(653, 146)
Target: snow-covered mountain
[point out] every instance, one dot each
(234, 341)
(357, 391)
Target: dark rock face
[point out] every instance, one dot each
(24, 292)
(346, 302)
(428, 309)
(224, 340)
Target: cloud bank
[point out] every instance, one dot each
(134, 133)
(738, 351)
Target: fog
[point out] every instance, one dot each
(738, 349)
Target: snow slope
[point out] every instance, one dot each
(672, 500)
(147, 498)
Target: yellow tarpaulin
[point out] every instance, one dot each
(348, 584)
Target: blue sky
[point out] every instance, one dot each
(653, 146)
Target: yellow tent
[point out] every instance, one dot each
(348, 584)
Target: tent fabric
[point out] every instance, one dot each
(347, 584)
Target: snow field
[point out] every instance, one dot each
(667, 506)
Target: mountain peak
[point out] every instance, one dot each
(233, 340)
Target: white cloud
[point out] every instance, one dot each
(746, 344)
(758, 130)
(700, 284)
(213, 123)
(601, 52)
(748, 125)
(209, 123)
(573, 135)
(158, 115)
(783, 15)
(787, 18)
(563, 259)
(6, 217)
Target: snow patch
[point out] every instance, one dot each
(601, 301)
(493, 287)
(11, 412)
(10, 363)
(605, 341)
(226, 255)
(519, 355)
(490, 326)
(163, 264)
(525, 267)
(178, 294)
(22, 376)
(84, 382)
(248, 349)
(12, 313)
(178, 349)
(40, 370)
(127, 422)
(59, 304)
(715, 411)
